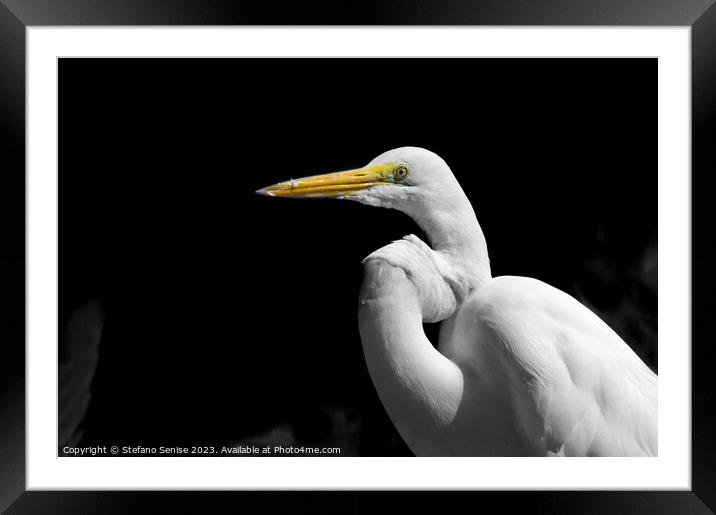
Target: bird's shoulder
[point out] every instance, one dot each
(530, 320)
(529, 304)
(588, 391)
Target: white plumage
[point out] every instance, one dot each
(521, 369)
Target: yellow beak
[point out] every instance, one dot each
(333, 184)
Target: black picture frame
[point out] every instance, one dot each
(17, 15)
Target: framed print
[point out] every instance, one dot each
(183, 332)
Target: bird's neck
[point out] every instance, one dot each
(455, 233)
(420, 388)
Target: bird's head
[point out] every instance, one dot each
(418, 183)
(406, 178)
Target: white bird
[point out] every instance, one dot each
(521, 369)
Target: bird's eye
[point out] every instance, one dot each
(401, 173)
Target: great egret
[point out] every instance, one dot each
(523, 369)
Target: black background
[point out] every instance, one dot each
(232, 317)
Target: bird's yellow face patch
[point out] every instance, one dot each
(340, 183)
